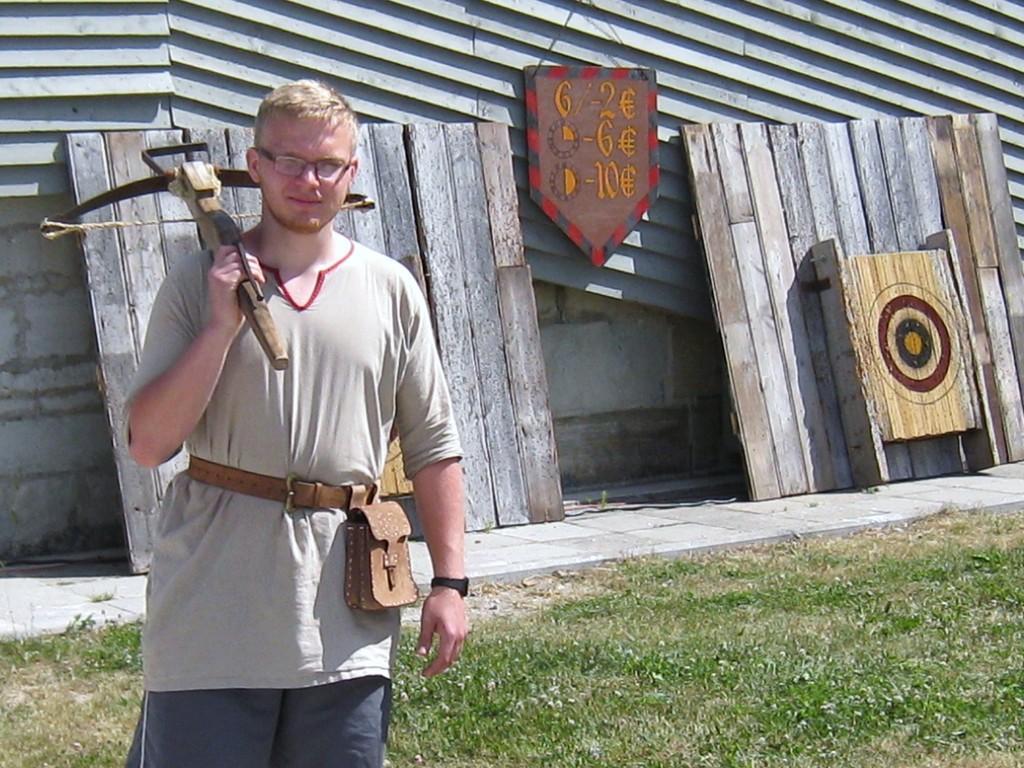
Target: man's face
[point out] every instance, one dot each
(305, 203)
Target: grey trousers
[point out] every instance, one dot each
(340, 725)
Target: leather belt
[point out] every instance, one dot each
(294, 493)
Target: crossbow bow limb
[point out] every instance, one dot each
(199, 184)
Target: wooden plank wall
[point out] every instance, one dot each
(475, 277)
(476, 274)
(123, 269)
(972, 196)
(765, 197)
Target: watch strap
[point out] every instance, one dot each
(459, 585)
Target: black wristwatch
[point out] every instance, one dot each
(459, 585)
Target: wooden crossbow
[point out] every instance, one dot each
(199, 183)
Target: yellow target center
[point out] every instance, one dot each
(914, 343)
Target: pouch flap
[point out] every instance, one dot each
(387, 520)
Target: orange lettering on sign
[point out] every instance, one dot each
(593, 160)
(563, 100)
(627, 103)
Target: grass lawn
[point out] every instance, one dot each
(885, 649)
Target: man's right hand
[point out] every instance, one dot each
(223, 280)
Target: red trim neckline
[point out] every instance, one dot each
(319, 280)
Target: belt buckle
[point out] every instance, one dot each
(289, 499)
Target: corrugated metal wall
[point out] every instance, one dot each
(780, 60)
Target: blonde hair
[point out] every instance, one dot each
(307, 99)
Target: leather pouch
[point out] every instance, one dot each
(378, 569)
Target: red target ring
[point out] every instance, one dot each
(923, 347)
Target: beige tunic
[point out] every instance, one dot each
(242, 594)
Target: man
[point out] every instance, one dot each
(251, 656)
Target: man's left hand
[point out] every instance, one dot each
(444, 615)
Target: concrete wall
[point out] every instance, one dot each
(635, 393)
(58, 490)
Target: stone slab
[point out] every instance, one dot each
(771, 506)
(693, 534)
(119, 588)
(549, 532)
(1009, 485)
(619, 522)
(794, 520)
(902, 504)
(1005, 470)
(617, 547)
(965, 498)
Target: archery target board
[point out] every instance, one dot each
(909, 337)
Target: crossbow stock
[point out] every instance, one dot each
(199, 184)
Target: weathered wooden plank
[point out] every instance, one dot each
(852, 210)
(1003, 230)
(831, 468)
(954, 212)
(177, 229)
(864, 441)
(115, 340)
(394, 201)
(868, 462)
(143, 259)
(900, 180)
(882, 152)
(817, 172)
(178, 237)
(922, 173)
(248, 201)
(915, 197)
(538, 451)
(730, 158)
(943, 240)
(517, 305)
(1005, 372)
(856, 240)
(367, 226)
(870, 168)
(502, 198)
(982, 237)
(727, 294)
(771, 367)
(807, 434)
(435, 201)
(928, 220)
(853, 227)
(474, 232)
(975, 194)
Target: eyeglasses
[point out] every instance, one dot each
(327, 169)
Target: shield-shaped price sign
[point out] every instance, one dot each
(593, 144)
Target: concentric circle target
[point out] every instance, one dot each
(917, 351)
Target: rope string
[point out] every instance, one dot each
(51, 230)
